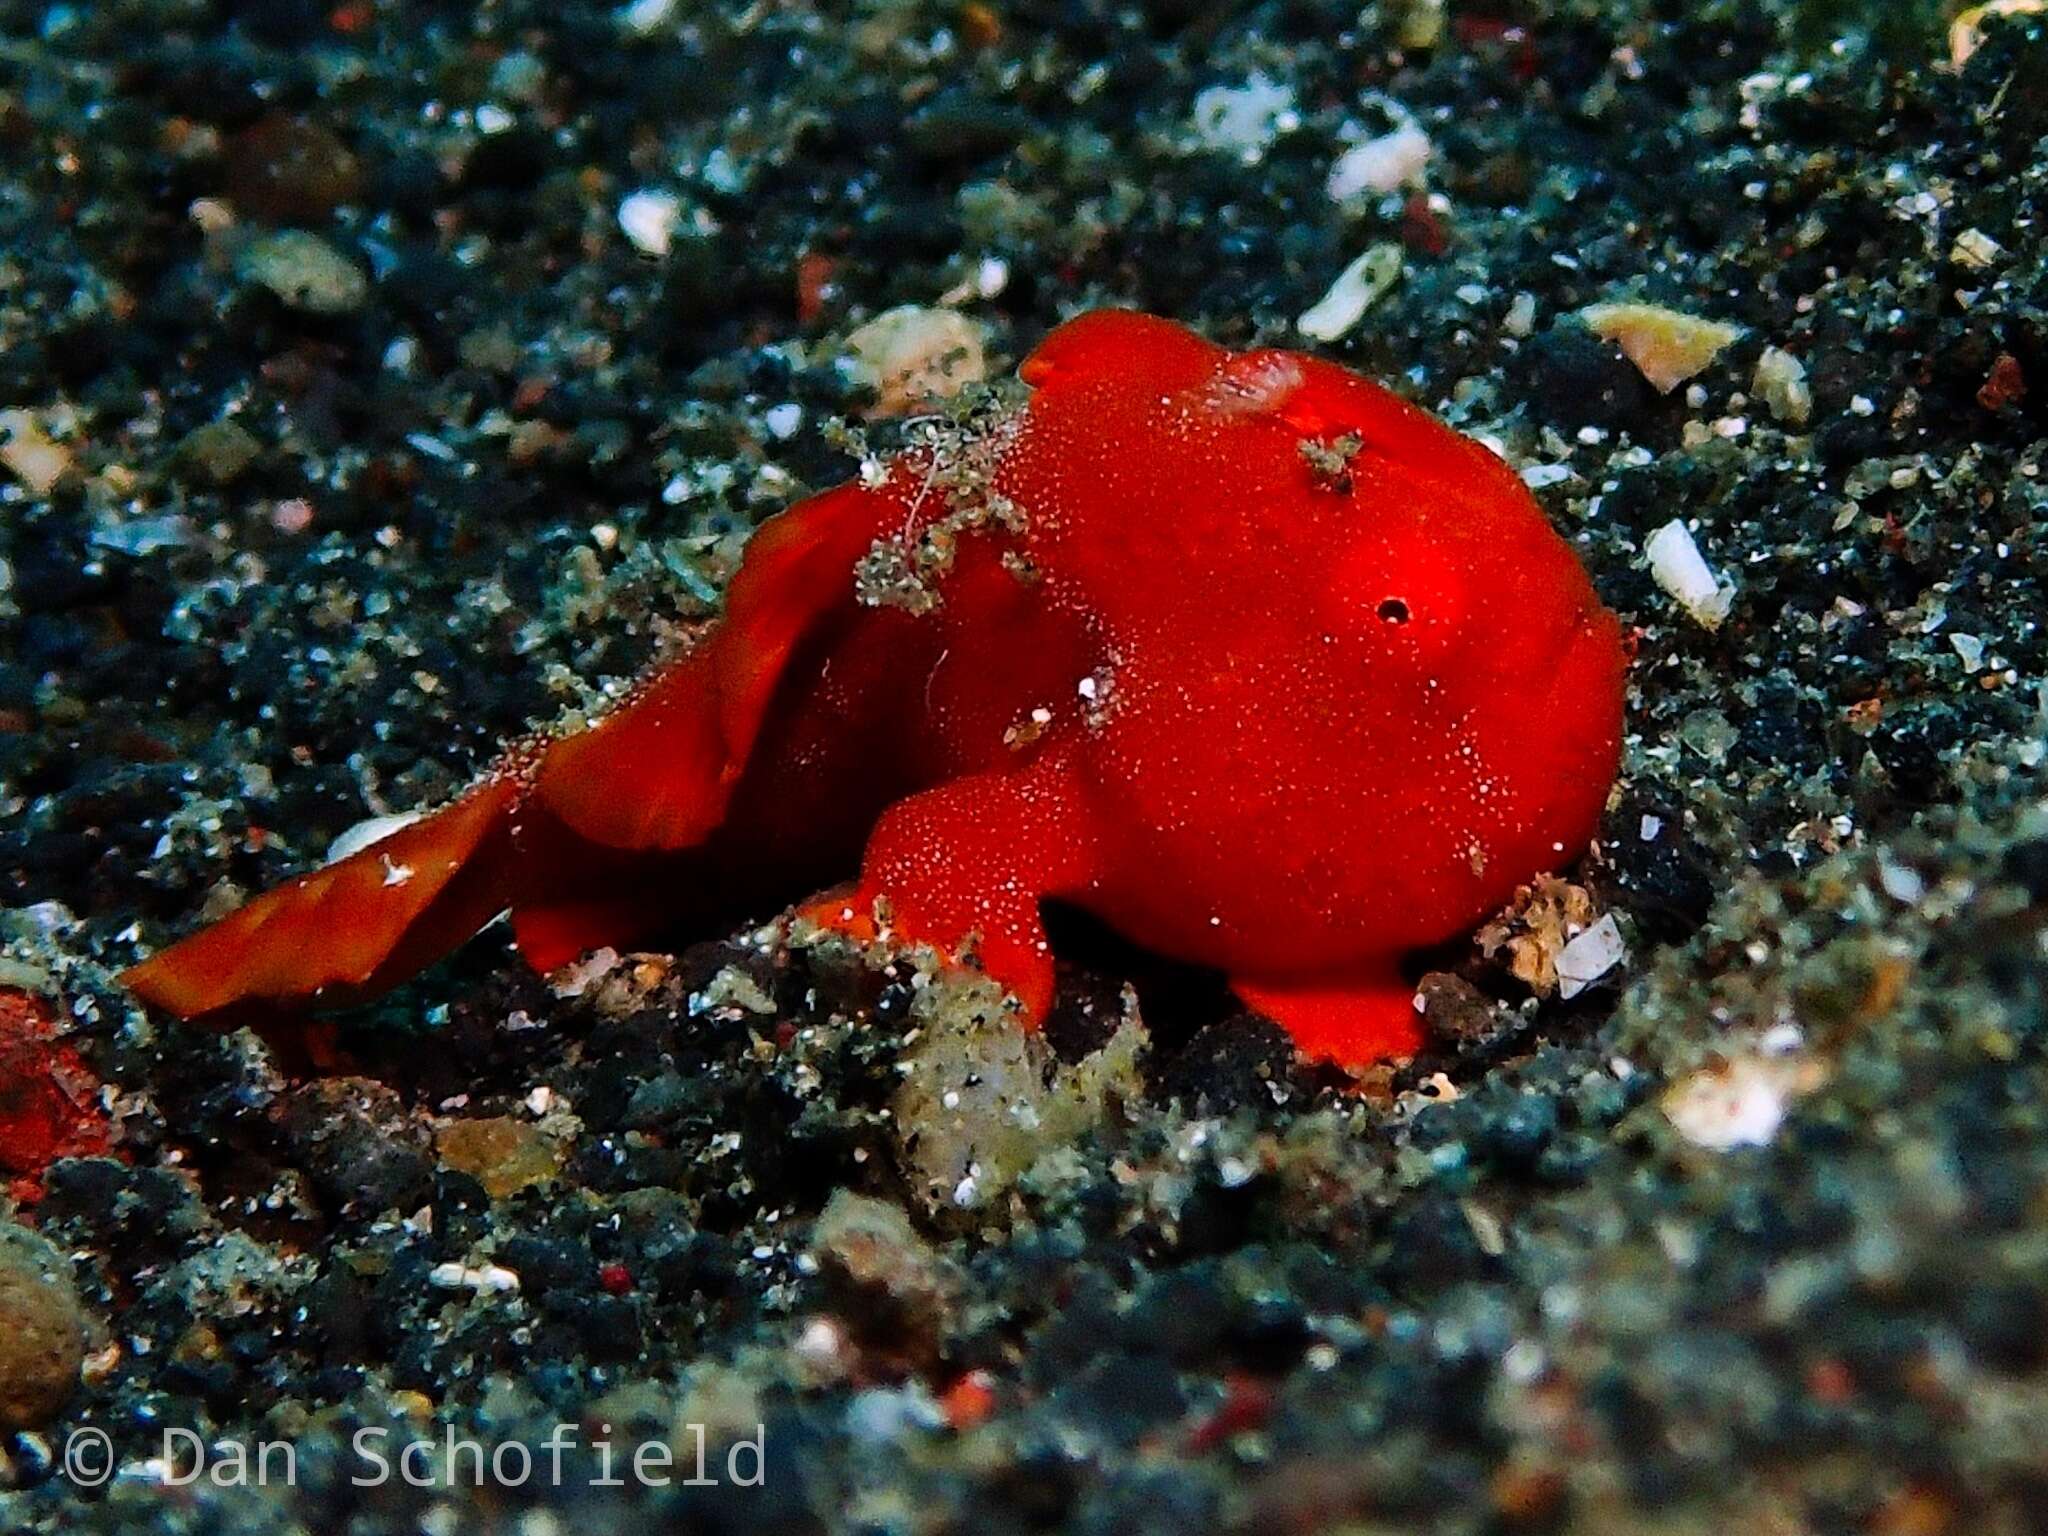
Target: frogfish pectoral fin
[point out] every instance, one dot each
(962, 867)
(657, 772)
(352, 928)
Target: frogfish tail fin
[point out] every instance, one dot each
(561, 842)
(351, 929)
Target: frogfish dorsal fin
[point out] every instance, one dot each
(658, 771)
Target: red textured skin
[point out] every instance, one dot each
(49, 1098)
(1334, 717)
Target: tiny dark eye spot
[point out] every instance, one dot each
(1394, 611)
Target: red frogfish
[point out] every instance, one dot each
(1263, 667)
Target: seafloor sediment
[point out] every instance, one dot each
(347, 427)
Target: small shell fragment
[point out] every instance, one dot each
(1966, 32)
(29, 453)
(1976, 250)
(367, 832)
(305, 272)
(1681, 570)
(484, 1279)
(1590, 956)
(1357, 288)
(1667, 345)
(1780, 383)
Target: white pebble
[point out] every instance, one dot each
(820, 1348)
(649, 220)
(1678, 567)
(645, 17)
(1902, 884)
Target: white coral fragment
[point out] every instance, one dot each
(1740, 1103)
(1380, 165)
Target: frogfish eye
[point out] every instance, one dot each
(1394, 611)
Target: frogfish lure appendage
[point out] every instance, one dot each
(1264, 667)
